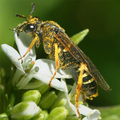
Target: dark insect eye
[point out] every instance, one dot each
(29, 28)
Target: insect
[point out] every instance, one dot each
(65, 53)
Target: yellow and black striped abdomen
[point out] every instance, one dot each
(89, 86)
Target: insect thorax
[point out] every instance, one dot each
(49, 30)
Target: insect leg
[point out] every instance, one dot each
(56, 63)
(30, 47)
(79, 85)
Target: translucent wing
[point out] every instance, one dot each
(78, 54)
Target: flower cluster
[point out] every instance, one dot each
(41, 102)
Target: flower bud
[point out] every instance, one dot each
(45, 113)
(42, 116)
(24, 111)
(58, 113)
(43, 88)
(60, 102)
(32, 95)
(47, 100)
(3, 116)
(38, 117)
(71, 117)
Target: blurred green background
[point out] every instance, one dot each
(102, 44)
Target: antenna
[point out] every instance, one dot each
(21, 16)
(33, 6)
(30, 16)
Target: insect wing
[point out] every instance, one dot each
(78, 54)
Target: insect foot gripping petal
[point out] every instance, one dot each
(30, 47)
(79, 85)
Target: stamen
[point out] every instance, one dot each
(27, 66)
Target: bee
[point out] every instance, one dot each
(65, 53)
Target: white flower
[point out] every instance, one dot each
(29, 67)
(84, 110)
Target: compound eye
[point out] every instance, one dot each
(29, 28)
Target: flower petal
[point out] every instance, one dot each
(84, 110)
(72, 109)
(55, 82)
(94, 115)
(23, 41)
(47, 68)
(13, 55)
(69, 105)
(89, 113)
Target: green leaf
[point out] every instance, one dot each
(77, 38)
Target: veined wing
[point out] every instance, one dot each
(78, 54)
